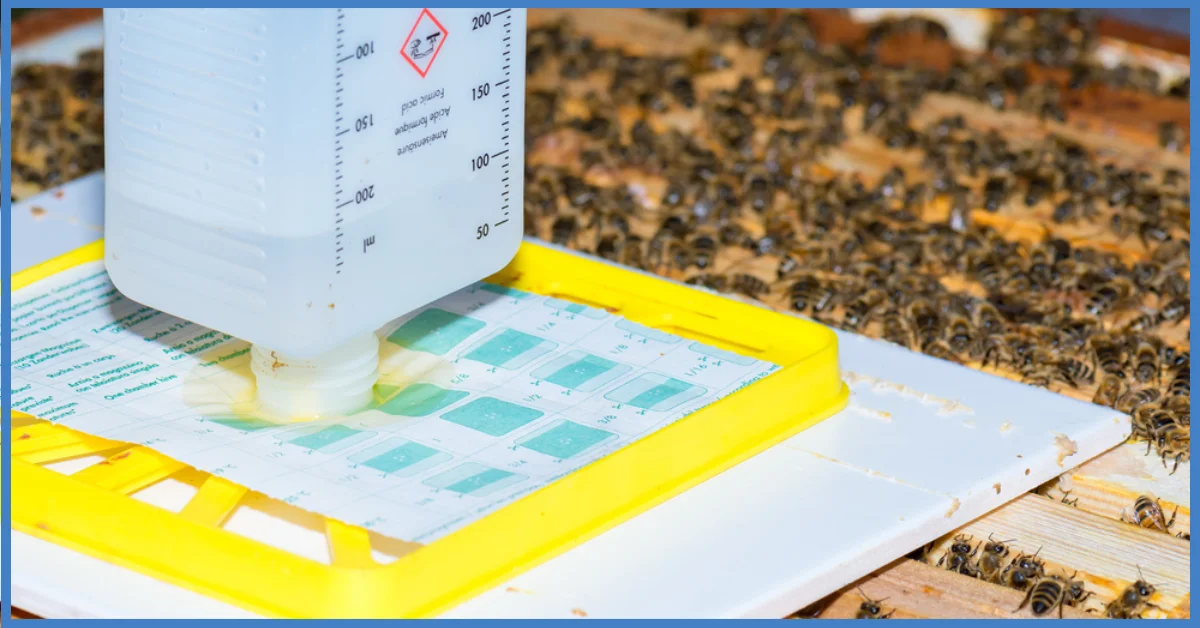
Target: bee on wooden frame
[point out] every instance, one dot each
(959, 558)
(871, 609)
(1133, 601)
(1148, 513)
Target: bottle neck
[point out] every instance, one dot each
(337, 383)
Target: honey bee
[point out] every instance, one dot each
(896, 329)
(811, 295)
(712, 281)
(871, 609)
(991, 563)
(988, 319)
(1170, 136)
(1109, 355)
(859, 311)
(1148, 421)
(1148, 513)
(1174, 441)
(609, 246)
(1074, 372)
(962, 337)
(1111, 389)
(1039, 372)
(563, 231)
(1134, 399)
(1023, 571)
(1001, 348)
(1146, 362)
(1051, 592)
(1181, 385)
(960, 557)
(1182, 407)
(942, 351)
(700, 251)
(1133, 601)
(1107, 296)
(749, 285)
(1175, 311)
(926, 322)
(995, 193)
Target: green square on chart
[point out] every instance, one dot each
(420, 400)
(505, 346)
(503, 290)
(478, 481)
(566, 439)
(492, 416)
(400, 457)
(577, 373)
(661, 392)
(435, 331)
(324, 437)
(243, 424)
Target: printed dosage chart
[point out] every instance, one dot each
(484, 396)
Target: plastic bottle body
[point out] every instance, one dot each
(270, 173)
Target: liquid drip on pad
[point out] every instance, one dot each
(340, 382)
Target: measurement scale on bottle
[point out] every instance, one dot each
(424, 116)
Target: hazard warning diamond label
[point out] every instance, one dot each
(424, 42)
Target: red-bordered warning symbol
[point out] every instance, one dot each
(424, 42)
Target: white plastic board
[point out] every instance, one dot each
(924, 447)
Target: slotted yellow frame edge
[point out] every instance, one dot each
(191, 550)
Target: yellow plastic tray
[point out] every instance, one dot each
(92, 511)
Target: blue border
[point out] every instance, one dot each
(6, 305)
(6, 236)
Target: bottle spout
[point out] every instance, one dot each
(337, 383)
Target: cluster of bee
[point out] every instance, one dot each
(744, 210)
(1044, 592)
(1050, 592)
(57, 123)
(1066, 38)
(994, 565)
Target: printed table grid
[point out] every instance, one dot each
(482, 461)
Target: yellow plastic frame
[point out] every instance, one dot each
(93, 513)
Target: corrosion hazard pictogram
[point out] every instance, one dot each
(424, 42)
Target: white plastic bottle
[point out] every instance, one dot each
(299, 177)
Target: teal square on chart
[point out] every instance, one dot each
(660, 393)
(243, 424)
(478, 481)
(325, 437)
(504, 291)
(435, 331)
(492, 416)
(400, 457)
(652, 391)
(510, 349)
(575, 308)
(566, 439)
(472, 478)
(419, 399)
(580, 371)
